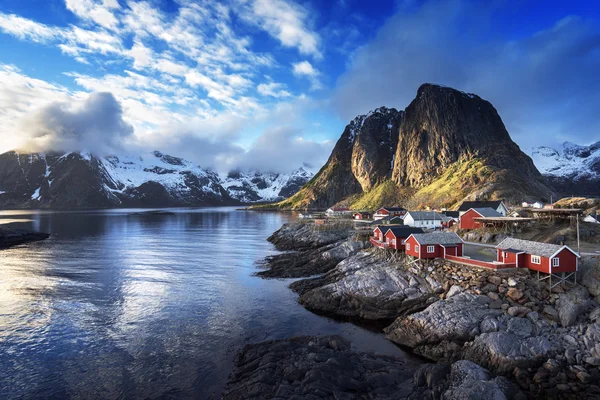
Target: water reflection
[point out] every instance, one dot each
(142, 306)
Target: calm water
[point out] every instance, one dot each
(121, 306)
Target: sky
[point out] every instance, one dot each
(271, 84)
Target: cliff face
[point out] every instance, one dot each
(447, 146)
(442, 126)
(361, 159)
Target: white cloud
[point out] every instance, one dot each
(101, 12)
(142, 55)
(273, 89)
(284, 20)
(305, 69)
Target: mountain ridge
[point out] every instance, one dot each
(445, 147)
(75, 180)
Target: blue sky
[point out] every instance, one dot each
(270, 84)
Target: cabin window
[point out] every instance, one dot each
(556, 262)
(430, 249)
(536, 260)
(407, 246)
(393, 242)
(505, 254)
(417, 248)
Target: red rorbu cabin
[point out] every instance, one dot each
(396, 235)
(467, 220)
(543, 257)
(389, 212)
(361, 215)
(434, 245)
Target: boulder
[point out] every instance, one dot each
(365, 287)
(591, 280)
(455, 289)
(572, 304)
(503, 351)
(514, 294)
(450, 322)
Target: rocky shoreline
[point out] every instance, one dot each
(13, 237)
(505, 323)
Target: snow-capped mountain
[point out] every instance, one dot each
(256, 186)
(82, 180)
(573, 169)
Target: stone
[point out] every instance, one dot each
(512, 282)
(514, 294)
(584, 377)
(595, 314)
(572, 304)
(595, 361)
(518, 311)
(520, 326)
(496, 304)
(456, 319)
(495, 280)
(551, 312)
(533, 316)
(455, 289)
(489, 287)
(493, 295)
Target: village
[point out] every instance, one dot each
(440, 234)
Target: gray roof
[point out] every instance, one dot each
(529, 247)
(437, 238)
(487, 212)
(424, 215)
(467, 205)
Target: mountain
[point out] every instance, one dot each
(361, 159)
(257, 186)
(446, 147)
(82, 180)
(571, 170)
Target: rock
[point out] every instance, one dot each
(365, 287)
(316, 367)
(533, 316)
(462, 380)
(12, 237)
(591, 280)
(584, 377)
(299, 236)
(495, 280)
(504, 351)
(490, 287)
(512, 282)
(455, 289)
(573, 304)
(493, 295)
(595, 315)
(454, 320)
(520, 326)
(595, 361)
(518, 311)
(514, 294)
(551, 312)
(496, 304)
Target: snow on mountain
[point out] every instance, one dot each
(571, 169)
(256, 186)
(74, 180)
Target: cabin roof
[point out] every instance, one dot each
(424, 215)
(467, 205)
(486, 212)
(451, 214)
(404, 231)
(534, 248)
(442, 238)
(392, 209)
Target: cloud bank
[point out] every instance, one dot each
(96, 125)
(545, 85)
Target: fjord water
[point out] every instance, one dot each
(115, 305)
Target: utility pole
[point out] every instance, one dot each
(578, 248)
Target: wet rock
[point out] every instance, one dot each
(12, 237)
(316, 367)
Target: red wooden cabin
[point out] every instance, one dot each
(543, 257)
(361, 215)
(389, 212)
(434, 245)
(396, 235)
(467, 219)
